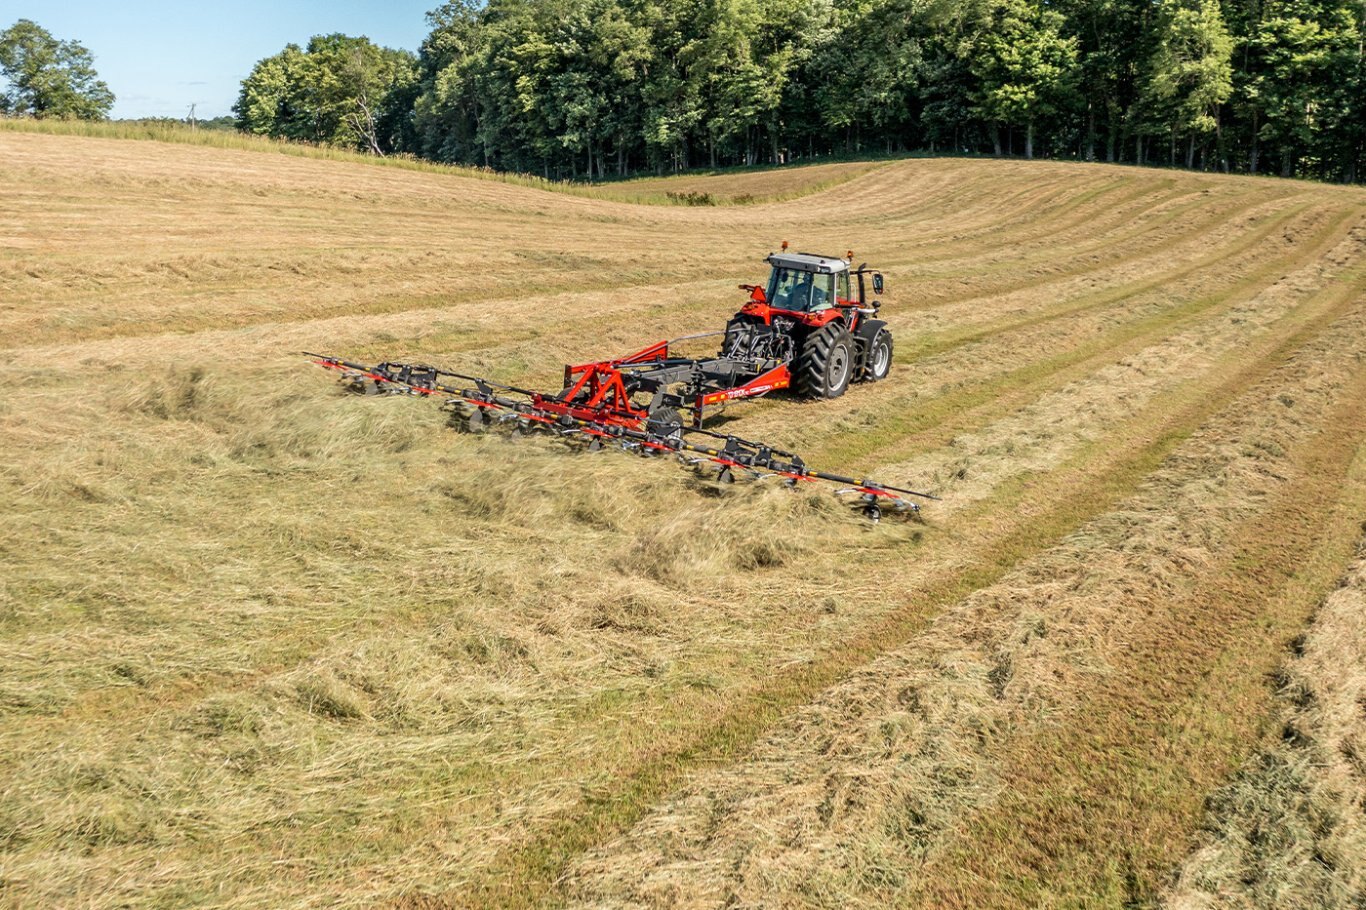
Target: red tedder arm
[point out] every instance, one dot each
(603, 384)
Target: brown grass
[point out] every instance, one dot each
(269, 645)
(1288, 828)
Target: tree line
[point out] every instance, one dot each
(588, 89)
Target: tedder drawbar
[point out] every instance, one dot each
(806, 331)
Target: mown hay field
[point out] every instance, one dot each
(269, 645)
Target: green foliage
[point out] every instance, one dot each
(339, 90)
(1026, 67)
(597, 88)
(220, 124)
(1191, 73)
(1308, 82)
(49, 78)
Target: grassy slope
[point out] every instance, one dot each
(285, 646)
(727, 186)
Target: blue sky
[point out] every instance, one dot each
(160, 56)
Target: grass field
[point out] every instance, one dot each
(269, 645)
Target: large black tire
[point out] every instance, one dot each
(738, 333)
(879, 361)
(825, 364)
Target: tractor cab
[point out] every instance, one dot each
(807, 287)
(801, 283)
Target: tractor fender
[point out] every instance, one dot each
(864, 333)
(867, 330)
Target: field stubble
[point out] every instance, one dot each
(272, 645)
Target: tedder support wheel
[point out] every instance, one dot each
(879, 357)
(665, 421)
(825, 363)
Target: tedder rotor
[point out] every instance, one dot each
(806, 331)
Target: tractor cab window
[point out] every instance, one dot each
(842, 286)
(802, 292)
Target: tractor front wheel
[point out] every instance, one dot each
(825, 363)
(879, 362)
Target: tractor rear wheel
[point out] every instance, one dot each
(739, 338)
(825, 363)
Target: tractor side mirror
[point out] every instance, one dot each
(877, 282)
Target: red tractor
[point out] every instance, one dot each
(805, 331)
(809, 320)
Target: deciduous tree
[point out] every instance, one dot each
(48, 77)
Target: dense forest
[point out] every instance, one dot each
(593, 88)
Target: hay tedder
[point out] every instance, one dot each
(806, 331)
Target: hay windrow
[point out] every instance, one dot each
(1288, 828)
(271, 645)
(843, 804)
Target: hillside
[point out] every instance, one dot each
(270, 645)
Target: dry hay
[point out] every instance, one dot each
(843, 804)
(1289, 829)
(269, 645)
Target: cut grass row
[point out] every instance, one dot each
(281, 612)
(678, 316)
(1004, 226)
(955, 407)
(642, 191)
(1288, 826)
(491, 782)
(967, 407)
(1099, 811)
(725, 794)
(933, 422)
(1022, 519)
(958, 409)
(154, 696)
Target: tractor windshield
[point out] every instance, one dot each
(802, 292)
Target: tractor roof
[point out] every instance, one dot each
(808, 262)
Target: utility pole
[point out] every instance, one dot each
(193, 122)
